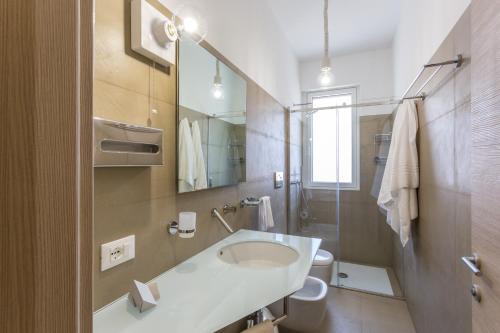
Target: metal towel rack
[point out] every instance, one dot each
(458, 62)
(249, 202)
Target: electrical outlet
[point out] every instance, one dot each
(117, 252)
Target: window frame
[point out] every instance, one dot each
(307, 144)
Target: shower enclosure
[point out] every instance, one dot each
(337, 160)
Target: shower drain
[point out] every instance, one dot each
(342, 275)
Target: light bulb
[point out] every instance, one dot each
(190, 22)
(325, 77)
(190, 25)
(217, 91)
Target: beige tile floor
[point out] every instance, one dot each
(354, 312)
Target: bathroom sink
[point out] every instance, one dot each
(258, 254)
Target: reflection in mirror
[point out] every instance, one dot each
(211, 115)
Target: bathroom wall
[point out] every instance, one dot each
(423, 25)
(143, 200)
(436, 281)
(267, 57)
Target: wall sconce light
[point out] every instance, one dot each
(154, 35)
(190, 23)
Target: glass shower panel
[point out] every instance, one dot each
(368, 253)
(336, 169)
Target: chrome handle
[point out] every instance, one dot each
(228, 209)
(216, 214)
(476, 292)
(473, 263)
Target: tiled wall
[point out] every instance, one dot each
(142, 201)
(436, 282)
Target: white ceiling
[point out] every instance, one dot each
(355, 25)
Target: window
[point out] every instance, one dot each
(331, 151)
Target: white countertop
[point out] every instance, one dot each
(204, 294)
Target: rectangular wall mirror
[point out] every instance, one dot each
(211, 121)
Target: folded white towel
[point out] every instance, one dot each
(266, 220)
(398, 193)
(186, 157)
(200, 172)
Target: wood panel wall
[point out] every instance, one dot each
(46, 166)
(486, 160)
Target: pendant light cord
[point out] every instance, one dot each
(325, 21)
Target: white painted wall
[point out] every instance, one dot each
(371, 72)
(247, 34)
(423, 26)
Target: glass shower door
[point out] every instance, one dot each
(368, 255)
(336, 190)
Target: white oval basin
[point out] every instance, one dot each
(258, 254)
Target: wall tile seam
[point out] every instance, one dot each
(256, 180)
(434, 186)
(135, 92)
(426, 124)
(260, 180)
(266, 136)
(136, 202)
(463, 102)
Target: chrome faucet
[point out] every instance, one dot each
(228, 208)
(216, 214)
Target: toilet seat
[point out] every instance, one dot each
(314, 289)
(323, 258)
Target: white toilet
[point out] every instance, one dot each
(306, 307)
(322, 266)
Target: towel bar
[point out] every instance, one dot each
(249, 202)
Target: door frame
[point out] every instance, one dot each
(46, 173)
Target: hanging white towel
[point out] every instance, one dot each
(200, 171)
(398, 193)
(186, 157)
(266, 220)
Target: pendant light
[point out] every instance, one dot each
(217, 90)
(325, 77)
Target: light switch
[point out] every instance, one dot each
(117, 252)
(278, 179)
